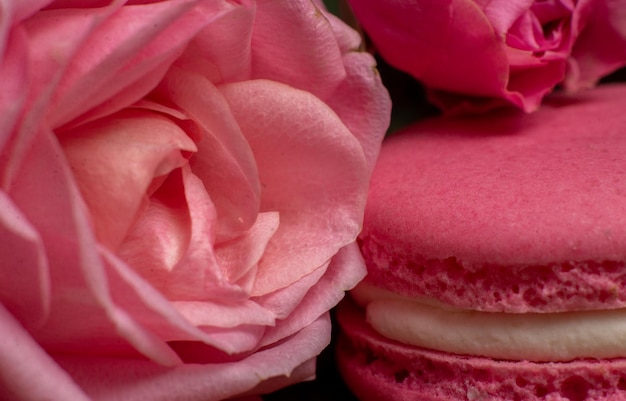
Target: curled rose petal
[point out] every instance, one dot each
(115, 161)
(146, 36)
(114, 379)
(77, 274)
(283, 47)
(242, 258)
(25, 274)
(345, 269)
(359, 107)
(326, 166)
(225, 162)
(14, 65)
(23, 359)
(600, 47)
(226, 46)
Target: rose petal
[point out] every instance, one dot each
(531, 83)
(346, 269)
(222, 51)
(121, 46)
(164, 319)
(14, 70)
(544, 27)
(148, 305)
(504, 13)
(83, 317)
(115, 160)
(362, 103)
(313, 172)
(198, 275)
(28, 372)
(526, 33)
(241, 339)
(130, 380)
(15, 11)
(304, 372)
(171, 244)
(294, 43)
(45, 69)
(457, 31)
(224, 161)
(601, 46)
(160, 237)
(24, 277)
(159, 244)
(348, 39)
(284, 300)
(215, 314)
(125, 97)
(241, 256)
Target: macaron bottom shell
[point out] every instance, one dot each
(379, 369)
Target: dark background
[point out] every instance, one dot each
(328, 385)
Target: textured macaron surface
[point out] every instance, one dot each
(506, 212)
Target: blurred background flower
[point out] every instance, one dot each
(475, 55)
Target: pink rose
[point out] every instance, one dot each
(182, 184)
(482, 53)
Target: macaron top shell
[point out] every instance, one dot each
(514, 199)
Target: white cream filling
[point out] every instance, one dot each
(540, 337)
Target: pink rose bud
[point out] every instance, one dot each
(182, 183)
(476, 54)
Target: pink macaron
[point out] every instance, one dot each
(496, 251)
